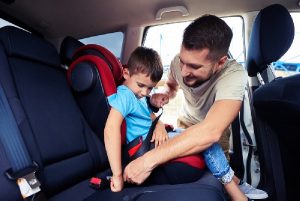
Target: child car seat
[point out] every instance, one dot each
(95, 70)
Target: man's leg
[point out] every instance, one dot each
(218, 164)
(246, 188)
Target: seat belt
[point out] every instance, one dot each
(236, 158)
(249, 144)
(22, 167)
(138, 146)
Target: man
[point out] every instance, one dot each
(213, 88)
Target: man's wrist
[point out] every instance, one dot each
(150, 162)
(165, 91)
(170, 92)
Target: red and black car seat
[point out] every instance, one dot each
(94, 75)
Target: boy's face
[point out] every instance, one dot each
(140, 84)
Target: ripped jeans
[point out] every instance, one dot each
(218, 164)
(215, 160)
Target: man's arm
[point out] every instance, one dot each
(193, 140)
(171, 86)
(169, 92)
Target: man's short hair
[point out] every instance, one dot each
(146, 60)
(211, 32)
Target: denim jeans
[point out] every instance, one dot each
(217, 163)
(215, 160)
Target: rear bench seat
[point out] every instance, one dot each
(56, 134)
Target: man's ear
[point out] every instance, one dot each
(126, 73)
(221, 63)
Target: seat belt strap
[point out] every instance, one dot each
(138, 146)
(22, 167)
(11, 138)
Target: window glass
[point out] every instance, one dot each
(166, 40)
(236, 48)
(111, 41)
(289, 63)
(7, 23)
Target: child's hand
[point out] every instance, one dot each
(160, 134)
(116, 183)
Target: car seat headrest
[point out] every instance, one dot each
(84, 76)
(94, 75)
(67, 48)
(88, 70)
(99, 51)
(20, 43)
(272, 35)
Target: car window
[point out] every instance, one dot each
(237, 47)
(289, 63)
(7, 23)
(111, 41)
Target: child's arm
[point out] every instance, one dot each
(160, 134)
(112, 140)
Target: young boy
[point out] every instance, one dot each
(143, 73)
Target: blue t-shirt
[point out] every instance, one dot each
(135, 111)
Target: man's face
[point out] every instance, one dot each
(195, 67)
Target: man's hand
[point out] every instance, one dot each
(158, 100)
(160, 134)
(116, 183)
(137, 171)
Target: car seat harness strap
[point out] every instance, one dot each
(138, 146)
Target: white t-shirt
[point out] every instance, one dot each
(229, 83)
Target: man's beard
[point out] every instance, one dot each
(196, 83)
(192, 81)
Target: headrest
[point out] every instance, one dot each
(99, 51)
(93, 75)
(67, 48)
(85, 71)
(272, 35)
(20, 43)
(84, 76)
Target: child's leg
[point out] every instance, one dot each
(217, 163)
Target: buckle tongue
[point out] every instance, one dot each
(26, 180)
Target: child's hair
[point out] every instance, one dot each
(145, 60)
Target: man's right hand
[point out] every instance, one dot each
(159, 99)
(137, 171)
